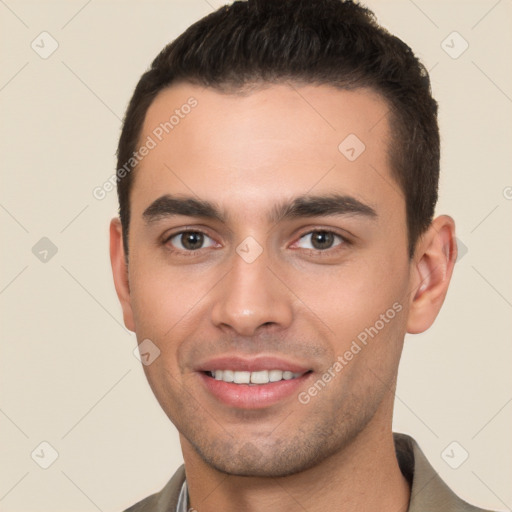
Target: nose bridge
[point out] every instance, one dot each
(250, 295)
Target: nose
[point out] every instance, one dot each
(251, 298)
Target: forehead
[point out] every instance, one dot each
(255, 148)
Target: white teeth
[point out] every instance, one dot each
(242, 377)
(259, 377)
(227, 375)
(275, 375)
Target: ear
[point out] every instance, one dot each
(432, 270)
(120, 272)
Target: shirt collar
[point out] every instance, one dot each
(182, 505)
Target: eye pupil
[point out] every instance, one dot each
(192, 240)
(322, 239)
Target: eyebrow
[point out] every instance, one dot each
(301, 206)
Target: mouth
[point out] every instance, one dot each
(252, 390)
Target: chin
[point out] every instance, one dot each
(251, 461)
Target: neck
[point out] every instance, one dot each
(363, 476)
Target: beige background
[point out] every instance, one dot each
(68, 374)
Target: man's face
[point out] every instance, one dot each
(264, 287)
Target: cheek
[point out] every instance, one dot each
(349, 294)
(352, 298)
(163, 296)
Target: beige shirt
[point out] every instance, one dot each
(428, 492)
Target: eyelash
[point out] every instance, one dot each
(315, 252)
(183, 231)
(331, 251)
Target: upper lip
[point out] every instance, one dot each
(254, 364)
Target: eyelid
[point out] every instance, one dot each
(334, 251)
(184, 229)
(191, 229)
(343, 234)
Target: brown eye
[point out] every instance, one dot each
(190, 240)
(320, 240)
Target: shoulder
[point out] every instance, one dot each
(428, 490)
(166, 499)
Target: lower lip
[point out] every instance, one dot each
(257, 396)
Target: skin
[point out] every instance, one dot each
(247, 153)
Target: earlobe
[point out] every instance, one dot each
(120, 272)
(432, 269)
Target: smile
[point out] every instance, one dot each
(253, 390)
